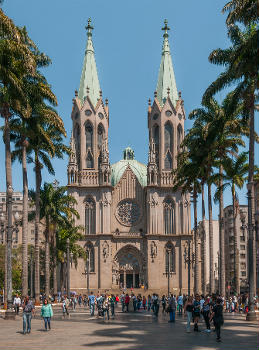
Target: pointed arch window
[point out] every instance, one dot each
(179, 136)
(169, 217)
(90, 226)
(100, 132)
(78, 143)
(89, 161)
(169, 258)
(90, 256)
(156, 141)
(168, 161)
(168, 132)
(89, 136)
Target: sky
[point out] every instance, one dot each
(127, 40)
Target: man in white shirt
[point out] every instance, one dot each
(17, 303)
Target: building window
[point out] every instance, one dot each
(242, 256)
(169, 217)
(242, 247)
(179, 136)
(100, 132)
(90, 217)
(243, 273)
(243, 266)
(90, 254)
(168, 161)
(242, 239)
(169, 257)
(168, 134)
(77, 139)
(89, 161)
(181, 218)
(89, 136)
(156, 141)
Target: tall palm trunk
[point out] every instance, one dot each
(196, 262)
(222, 267)
(55, 286)
(251, 212)
(203, 244)
(24, 222)
(37, 227)
(9, 199)
(212, 278)
(236, 252)
(47, 273)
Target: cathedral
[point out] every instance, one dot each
(136, 229)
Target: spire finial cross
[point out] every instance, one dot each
(165, 29)
(89, 27)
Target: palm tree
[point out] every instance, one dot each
(16, 62)
(56, 207)
(223, 127)
(241, 69)
(68, 234)
(243, 11)
(235, 174)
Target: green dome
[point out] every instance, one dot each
(139, 169)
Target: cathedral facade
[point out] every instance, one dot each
(136, 228)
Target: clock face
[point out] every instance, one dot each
(168, 113)
(100, 115)
(128, 212)
(88, 112)
(155, 116)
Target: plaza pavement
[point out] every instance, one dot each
(140, 331)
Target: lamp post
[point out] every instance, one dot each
(86, 273)
(8, 244)
(189, 260)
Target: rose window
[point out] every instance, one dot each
(128, 212)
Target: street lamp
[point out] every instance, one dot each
(9, 239)
(189, 259)
(86, 273)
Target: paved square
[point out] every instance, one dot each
(140, 331)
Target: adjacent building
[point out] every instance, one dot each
(136, 227)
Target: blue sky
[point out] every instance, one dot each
(127, 40)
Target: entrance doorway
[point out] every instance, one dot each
(132, 280)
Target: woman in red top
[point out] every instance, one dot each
(127, 300)
(144, 302)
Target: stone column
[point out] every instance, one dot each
(134, 279)
(124, 279)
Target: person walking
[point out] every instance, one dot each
(65, 306)
(28, 310)
(217, 316)
(171, 308)
(46, 313)
(196, 312)
(127, 300)
(180, 304)
(206, 313)
(149, 302)
(123, 302)
(106, 308)
(144, 302)
(112, 303)
(188, 309)
(91, 299)
(17, 303)
(163, 301)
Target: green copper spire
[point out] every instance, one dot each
(166, 85)
(89, 82)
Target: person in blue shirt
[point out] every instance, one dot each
(180, 304)
(91, 299)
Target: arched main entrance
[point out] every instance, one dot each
(127, 268)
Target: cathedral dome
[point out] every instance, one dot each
(139, 169)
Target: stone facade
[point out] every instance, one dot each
(136, 227)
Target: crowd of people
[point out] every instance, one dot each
(209, 308)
